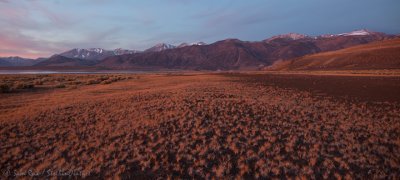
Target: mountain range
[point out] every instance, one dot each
(95, 54)
(229, 54)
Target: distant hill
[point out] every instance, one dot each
(377, 55)
(17, 61)
(4, 62)
(58, 60)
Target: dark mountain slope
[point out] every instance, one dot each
(58, 60)
(378, 55)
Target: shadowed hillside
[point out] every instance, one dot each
(377, 55)
(58, 60)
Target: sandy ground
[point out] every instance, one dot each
(204, 126)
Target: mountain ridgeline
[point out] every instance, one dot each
(229, 54)
(18, 61)
(233, 54)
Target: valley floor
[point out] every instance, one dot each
(249, 125)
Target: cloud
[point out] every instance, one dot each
(14, 43)
(19, 44)
(31, 15)
(58, 19)
(30, 29)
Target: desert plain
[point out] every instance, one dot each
(341, 125)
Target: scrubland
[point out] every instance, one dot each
(203, 126)
(18, 83)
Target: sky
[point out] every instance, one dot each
(41, 28)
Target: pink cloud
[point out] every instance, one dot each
(16, 18)
(16, 44)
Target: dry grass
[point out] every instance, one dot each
(200, 126)
(18, 83)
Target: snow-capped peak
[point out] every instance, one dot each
(198, 44)
(183, 45)
(80, 50)
(95, 53)
(291, 36)
(164, 46)
(120, 51)
(362, 32)
(295, 36)
(97, 50)
(160, 47)
(191, 44)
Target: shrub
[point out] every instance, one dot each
(106, 82)
(76, 82)
(60, 85)
(60, 78)
(73, 87)
(38, 82)
(72, 79)
(29, 86)
(93, 81)
(23, 85)
(44, 79)
(19, 85)
(5, 88)
(102, 78)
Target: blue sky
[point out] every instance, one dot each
(33, 28)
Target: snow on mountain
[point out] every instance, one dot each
(95, 54)
(296, 36)
(290, 36)
(183, 45)
(198, 44)
(88, 54)
(362, 32)
(160, 47)
(121, 51)
(191, 44)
